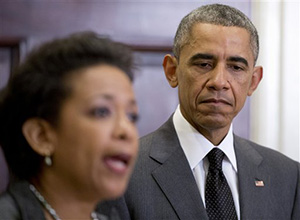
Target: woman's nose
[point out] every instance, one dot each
(124, 128)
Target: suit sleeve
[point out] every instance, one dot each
(296, 210)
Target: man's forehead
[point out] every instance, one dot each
(208, 38)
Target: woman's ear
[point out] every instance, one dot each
(170, 66)
(39, 134)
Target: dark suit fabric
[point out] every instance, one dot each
(19, 203)
(163, 185)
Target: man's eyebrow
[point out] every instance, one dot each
(211, 57)
(201, 56)
(238, 59)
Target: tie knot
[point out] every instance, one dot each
(215, 158)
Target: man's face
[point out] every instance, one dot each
(214, 74)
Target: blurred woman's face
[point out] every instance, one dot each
(96, 140)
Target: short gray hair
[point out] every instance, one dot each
(219, 15)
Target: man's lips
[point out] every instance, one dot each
(215, 101)
(118, 163)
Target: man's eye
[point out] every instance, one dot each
(204, 64)
(236, 68)
(100, 112)
(133, 117)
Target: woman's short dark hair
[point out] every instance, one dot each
(38, 87)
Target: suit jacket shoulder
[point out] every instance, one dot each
(18, 202)
(8, 207)
(269, 182)
(162, 185)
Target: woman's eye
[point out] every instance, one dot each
(101, 112)
(133, 117)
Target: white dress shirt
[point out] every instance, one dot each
(196, 147)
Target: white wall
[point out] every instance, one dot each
(275, 105)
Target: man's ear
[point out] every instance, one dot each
(256, 78)
(39, 134)
(170, 66)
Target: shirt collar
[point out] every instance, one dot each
(196, 146)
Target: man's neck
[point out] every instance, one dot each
(215, 136)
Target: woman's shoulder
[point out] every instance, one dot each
(18, 202)
(8, 207)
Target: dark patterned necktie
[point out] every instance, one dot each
(218, 197)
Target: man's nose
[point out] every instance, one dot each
(218, 78)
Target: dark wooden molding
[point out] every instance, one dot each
(14, 45)
(10, 41)
(150, 48)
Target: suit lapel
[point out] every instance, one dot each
(251, 193)
(174, 176)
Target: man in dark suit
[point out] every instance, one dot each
(214, 68)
